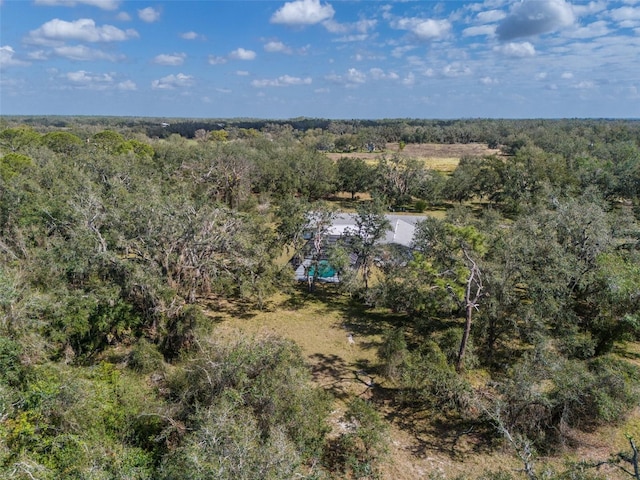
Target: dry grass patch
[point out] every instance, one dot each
(436, 156)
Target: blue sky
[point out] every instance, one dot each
(313, 58)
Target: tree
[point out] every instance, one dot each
(363, 240)
(318, 226)
(61, 142)
(353, 175)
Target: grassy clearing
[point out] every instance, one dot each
(422, 445)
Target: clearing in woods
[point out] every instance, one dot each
(421, 444)
(443, 157)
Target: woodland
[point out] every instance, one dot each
(509, 329)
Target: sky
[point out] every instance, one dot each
(321, 59)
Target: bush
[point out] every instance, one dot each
(266, 377)
(428, 379)
(12, 371)
(145, 357)
(392, 353)
(360, 449)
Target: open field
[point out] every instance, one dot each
(443, 157)
(421, 444)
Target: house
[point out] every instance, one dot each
(401, 233)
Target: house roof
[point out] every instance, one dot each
(402, 229)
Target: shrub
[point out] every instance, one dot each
(145, 357)
(361, 448)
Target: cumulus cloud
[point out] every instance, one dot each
(516, 49)
(428, 29)
(172, 59)
(191, 36)
(103, 4)
(283, 81)
(409, 80)
(302, 12)
(489, 81)
(84, 53)
(398, 52)
(362, 26)
(595, 29)
(127, 85)
(567, 76)
(171, 82)
(84, 29)
(149, 15)
(490, 16)
(276, 47)
(92, 81)
(7, 57)
(456, 69)
(242, 54)
(489, 30)
(627, 17)
(38, 55)
(216, 60)
(352, 78)
(380, 74)
(583, 85)
(535, 17)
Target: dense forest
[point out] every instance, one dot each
(513, 318)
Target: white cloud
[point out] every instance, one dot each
(127, 85)
(242, 54)
(91, 81)
(489, 81)
(456, 69)
(535, 17)
(409, 80)
(428, 29)
(541, 76)
(516, 49)
(103, 4)
(172, 59)
(149, 15)
(355, 76)
(84, 30)
(479, 30)
(6, 58)
(242, 73)
(380, 74)
(276, 47)
(567, 75)
(627, 17)
(595, 29)
(303, 12)
(490, 16)
(38, 55)
(361, 26)
(398, 52)
(216, 60)
(84, 53)
(283, 81)
(352, 78)
(171, 82)
(583, 85)
(123, 17)
(590, 8)
(191, 36)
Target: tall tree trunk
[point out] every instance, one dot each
(471, 297)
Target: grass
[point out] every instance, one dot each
(422, 444)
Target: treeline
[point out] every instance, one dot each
(557, 136)
(517, 314)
